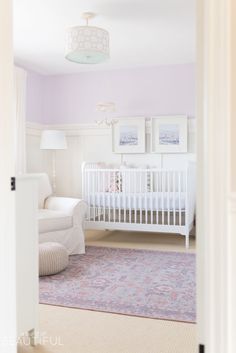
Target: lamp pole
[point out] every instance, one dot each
(54, 171)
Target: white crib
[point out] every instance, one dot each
(154, 200)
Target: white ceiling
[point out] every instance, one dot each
(142, 32)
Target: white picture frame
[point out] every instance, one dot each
(169, 134)
(128, 135)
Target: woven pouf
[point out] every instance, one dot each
(53, 258)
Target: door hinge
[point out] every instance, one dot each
(201, 348)
(13, 183)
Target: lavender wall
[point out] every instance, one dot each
(159, 90)
(35, 98)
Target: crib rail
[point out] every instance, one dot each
(138, 199)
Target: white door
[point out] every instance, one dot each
(7, 197)
(216, 223)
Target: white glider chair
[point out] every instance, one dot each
(60, 218)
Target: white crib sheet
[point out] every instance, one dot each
(145, 201)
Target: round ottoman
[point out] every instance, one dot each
(53, 258)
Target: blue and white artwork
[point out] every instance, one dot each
(128, 135)
(169, 134)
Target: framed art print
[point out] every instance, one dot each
(128, 135)
(169, 134)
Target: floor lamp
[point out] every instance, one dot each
(53, 140)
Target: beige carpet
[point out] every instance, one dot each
(81, 331)
(139, 240)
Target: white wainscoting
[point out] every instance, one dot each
(88, 142)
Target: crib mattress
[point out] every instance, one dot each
(153, 201)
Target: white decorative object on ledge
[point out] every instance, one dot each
(106, 107)
(87, 44)
(106, 122)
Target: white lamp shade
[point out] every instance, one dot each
(53, 140)
(87, 45)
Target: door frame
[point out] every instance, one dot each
(8, 331)
(216, 203)
(216, 262)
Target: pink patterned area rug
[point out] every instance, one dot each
(152, 284)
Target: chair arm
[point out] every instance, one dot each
(65, 204)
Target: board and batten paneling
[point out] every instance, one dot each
(89, 142)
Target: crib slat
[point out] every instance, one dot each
(109, 200)
(162, 197)
(119, 197)
(103, 196)
(174, 197)
(90, 200)
(124, 195)
(98, 196)
(151, 195)
(86, 189)
(140, 198)
(89, 194)
(168, 198)
(157, 197)
(129, 172)
(145, 190)
(186, 191)
(179, 198)
(94, 200)
(113, 197)
(136, 199)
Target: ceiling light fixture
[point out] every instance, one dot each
(87, 44)
(106, 107)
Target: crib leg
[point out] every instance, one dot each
(187, 240)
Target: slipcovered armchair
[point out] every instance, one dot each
(60, 218)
